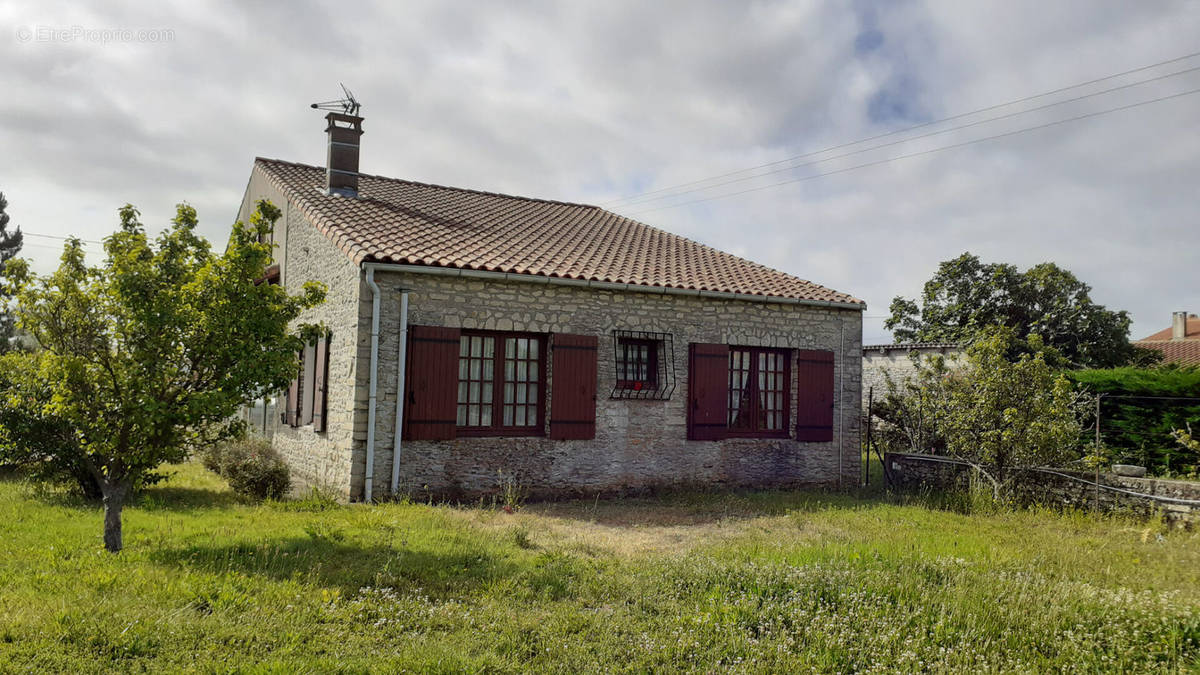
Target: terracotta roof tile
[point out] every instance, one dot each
(1186, 352)
(398, 221)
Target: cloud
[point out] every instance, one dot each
(598, 101)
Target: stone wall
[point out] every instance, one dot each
(879, 361)
(639, 443)
(319, 459)
(914, 472)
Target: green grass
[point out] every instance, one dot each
(769, 581)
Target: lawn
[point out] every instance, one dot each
(772, 581)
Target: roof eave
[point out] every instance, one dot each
(609, 285)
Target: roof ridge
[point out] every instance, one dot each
(439, 186)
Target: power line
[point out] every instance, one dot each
(61, 238)
(906, 129)
(968, 125)
(923, 152)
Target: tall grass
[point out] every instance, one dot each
(753, 582)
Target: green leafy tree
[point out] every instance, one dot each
(31, 435)
(150, 354)
(967, 296)
(10, 245)
(1003, 416)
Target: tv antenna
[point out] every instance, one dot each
(348, 105)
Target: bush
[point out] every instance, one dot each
(1142, 409)
(251, 466)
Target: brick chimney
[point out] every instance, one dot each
(341, 169)
(1179, 325)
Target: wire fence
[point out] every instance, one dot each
(1096, 484)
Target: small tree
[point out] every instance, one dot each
(1003, 417)
(10, 245)
(150, 354)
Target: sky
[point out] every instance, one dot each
(156, 104)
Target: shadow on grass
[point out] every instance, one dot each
(343, 565)
(173, 498)
(163, 497)
(674, 508)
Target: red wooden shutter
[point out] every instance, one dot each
(308, 390)
(573, 391)
(708, 391)
(431, 383)
(814, 397)
(322, 374)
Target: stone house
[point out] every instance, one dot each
(476, 337)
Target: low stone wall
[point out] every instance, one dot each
(913, 472)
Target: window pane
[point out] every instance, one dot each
(479, 388)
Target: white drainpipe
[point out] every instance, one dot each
(373, 386)
(840, 403)
(402, 358)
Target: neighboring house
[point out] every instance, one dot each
(557, 345)
(1180, 343)
(896, 360)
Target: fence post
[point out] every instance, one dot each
(870, 426)
(1096, 502)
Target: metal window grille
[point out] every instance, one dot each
(633, 380)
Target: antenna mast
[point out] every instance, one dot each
(348, 105)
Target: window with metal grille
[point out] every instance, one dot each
(637, 364)
(500, 377)
(644, 365)
(759, 391)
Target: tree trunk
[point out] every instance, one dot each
(114, 501)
